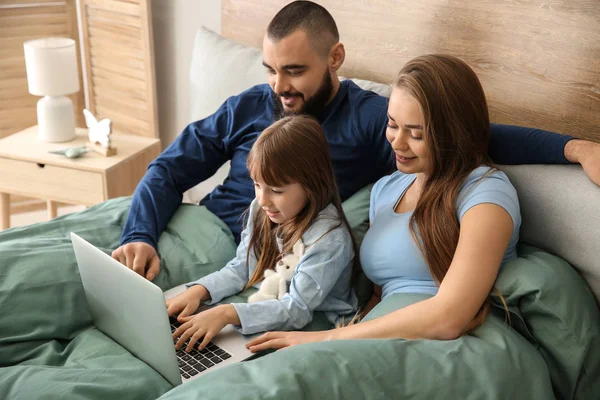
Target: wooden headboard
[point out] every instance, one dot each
(538, 60)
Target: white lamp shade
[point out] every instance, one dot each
(51, 66)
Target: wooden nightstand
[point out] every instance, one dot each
(27, 169)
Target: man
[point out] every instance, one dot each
(302, 55)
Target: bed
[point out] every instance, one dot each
(539, 63)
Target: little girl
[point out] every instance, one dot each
(296, 199)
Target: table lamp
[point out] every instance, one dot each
(51, 65)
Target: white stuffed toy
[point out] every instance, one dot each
(274, 286)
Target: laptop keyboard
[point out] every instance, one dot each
(196, 361)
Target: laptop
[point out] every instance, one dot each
(131, 310)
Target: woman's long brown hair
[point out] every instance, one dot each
(292, 150)
(457, 134)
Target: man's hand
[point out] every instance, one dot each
(587, 154)
(140, 257)
(186, 303)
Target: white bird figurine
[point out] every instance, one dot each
(98, 131)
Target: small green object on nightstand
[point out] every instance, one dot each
(71, 152)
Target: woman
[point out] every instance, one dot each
(444, 223)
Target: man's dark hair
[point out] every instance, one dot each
(310, 17)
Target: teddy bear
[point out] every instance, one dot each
(274, 286)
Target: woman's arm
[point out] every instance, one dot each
(485, 233)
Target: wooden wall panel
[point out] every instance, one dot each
(539, 61)
(119, 56)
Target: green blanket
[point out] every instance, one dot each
(49, 348)
(45, 321)
(494, 363)
(553, 351)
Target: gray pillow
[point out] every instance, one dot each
(560, 207)
(382, 89)
(220, 68)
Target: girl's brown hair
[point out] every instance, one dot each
(456, 132)
(291, 150)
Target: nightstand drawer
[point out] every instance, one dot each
(51, 182)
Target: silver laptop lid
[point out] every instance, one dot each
(128, 308)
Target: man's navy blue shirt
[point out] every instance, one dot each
(354, 123)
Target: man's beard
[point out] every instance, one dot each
(313, 106)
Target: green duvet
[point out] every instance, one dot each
(49, 348)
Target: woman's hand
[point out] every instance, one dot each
(279, 340)
(186, 303)
(205, 325)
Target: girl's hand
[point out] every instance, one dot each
(187, 302)
(204, 325)
(279, 340)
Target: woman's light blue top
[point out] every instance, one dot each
(321, 281)
(389, 255)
